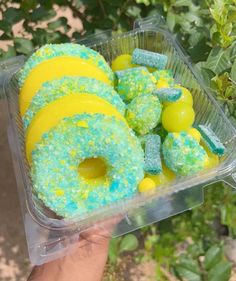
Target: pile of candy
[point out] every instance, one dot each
(161, 114)
(95, 135)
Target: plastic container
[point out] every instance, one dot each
(50, 237)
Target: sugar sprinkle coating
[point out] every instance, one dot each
(164, 78)
(148, 58)
(144, 113)
(164, 73)
(152, 158)
(211, 140)
(183, 154)
(57, 156)
(50, 51)
(52, 90)
(168, 94)
(133, 82)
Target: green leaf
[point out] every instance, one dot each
(133, 11)
(219, 12)
(11, 52)
(128, 243)
(218, 60)
(232, 51)
(5, 36)
(213, 256)
(104, 24)
(5, 26)
(76, 35)
(221, 83)
(145, 2)
(230, 210)
(196, 36)
(233, 71)
(216, 38)
(77, 3)
(28, 4)
(230, 92)
(189, 264)
(113, 252)
(150, 242)
(23, 46)
(200, 51)
(206, 73)
(41, 14)
(170, 19)
(57, 37)
(13, 15)
(220, 272)
(40, 36)
(187, 274)
(181, 3)
(227, 29)
(58, 23)
(89, 3)
(47, 4)
(196, 250)
(188, 269)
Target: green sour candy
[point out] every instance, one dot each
(164, 75)
(150, 59)
(133, 82)
(144, 113)
(183, 154)
(152, 159)
(211, 140)
(168, 94)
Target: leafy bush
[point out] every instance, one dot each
(190, 245)
(207, 30)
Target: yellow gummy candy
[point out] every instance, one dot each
(146, 184)
(177, 117)
(162, 83)
(213, 159)
(166, 176)
(122, 62)
(53, 69)
(186, 97)
(195, 134)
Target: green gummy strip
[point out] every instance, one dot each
(147, 58)
(211, 140)
(152, 154)
(168, 94)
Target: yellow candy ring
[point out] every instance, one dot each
(67, 106)
(53, 69)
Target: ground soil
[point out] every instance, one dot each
(14, 263)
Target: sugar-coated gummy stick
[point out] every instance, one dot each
(147, 58)
(168, 94)
(211, 140)
(152, 154)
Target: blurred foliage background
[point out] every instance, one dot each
(196, 245)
